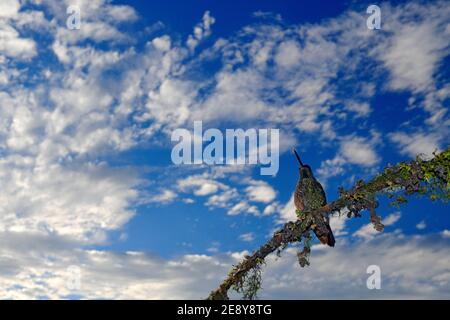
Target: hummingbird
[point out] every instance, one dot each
(308, 196)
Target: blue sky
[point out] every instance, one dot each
(87, 115)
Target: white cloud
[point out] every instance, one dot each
(81, 202)
(287, 213)
(359, 151)
(206, 189)
(131, 275)
(100, 20)
(392, 219)
(260, 191)
(331, 167)
(415, 144)
(421, 225)
(235, 97)
(267, 15)
(162, 43)
(53, 134)
(201, 31)
(417, 69)
(242, 93)
(368, 231)
(288, 54)
(361, 109)
(171, 102)
(412, 66)
(233, 195)
(13, 45)
(243, 207)
(338, 272)
(247, 237)
(9, 8)
(446, 233)
(214, 248)
(121, 13)
(165, 196)
(338, 224)
(200, 186)
(223, 199)
(272, 208)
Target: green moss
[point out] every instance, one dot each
(249, 284)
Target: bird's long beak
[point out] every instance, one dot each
(298, 158)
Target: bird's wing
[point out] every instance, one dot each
(324, 195)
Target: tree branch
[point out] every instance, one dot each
(404, 179)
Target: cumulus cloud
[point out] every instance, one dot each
(368, 231)
(201, 30)
(358, 151)
(335, 273)
(412, 66)
(53, 133)
(416, 144)
(243, 207)
(162, 43)
(288, 54)
(81, 202)
(200, 185)
(9, 8)
(361, 109)
(12, 45)
(242, 197)
(331, 167)
(340, 273)
(260, 191)
(354, 150)
(132, 275)
(100, 21)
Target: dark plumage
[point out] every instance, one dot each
(308, 196)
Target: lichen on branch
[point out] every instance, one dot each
(422, 177)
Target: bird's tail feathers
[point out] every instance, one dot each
(324, 234)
